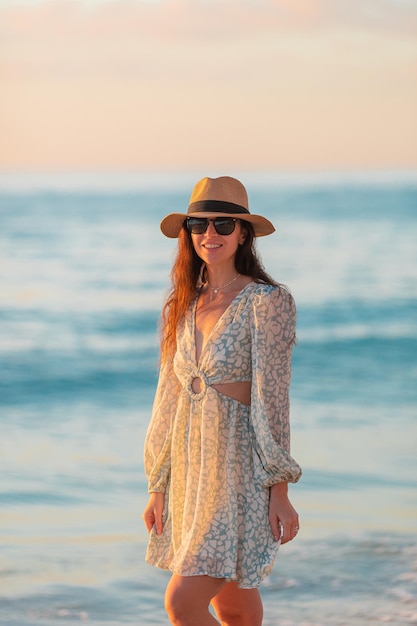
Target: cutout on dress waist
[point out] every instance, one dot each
(239, 391)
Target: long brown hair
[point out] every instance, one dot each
(185, 275)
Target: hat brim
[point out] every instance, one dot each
(171, 224)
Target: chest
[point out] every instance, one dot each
(207, 315)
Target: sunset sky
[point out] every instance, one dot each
(191, 84)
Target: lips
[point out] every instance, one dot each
(211, 246)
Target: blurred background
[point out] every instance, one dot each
(109, 113)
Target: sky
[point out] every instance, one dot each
(147, 85)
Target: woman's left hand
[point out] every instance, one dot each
(283, 518)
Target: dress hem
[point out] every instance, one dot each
(228, 578)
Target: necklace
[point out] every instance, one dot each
(217, 289)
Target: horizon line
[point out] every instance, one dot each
(129, 180)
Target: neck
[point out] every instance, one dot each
(218, 280)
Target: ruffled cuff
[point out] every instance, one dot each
(281, 469)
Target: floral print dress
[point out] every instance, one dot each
(214, 457)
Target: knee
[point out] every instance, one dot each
(174, 606)
(177, 607)
(230, 615)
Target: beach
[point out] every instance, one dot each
(84, 270)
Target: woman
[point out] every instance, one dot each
(217, 447)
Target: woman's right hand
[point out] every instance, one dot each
(152, 515)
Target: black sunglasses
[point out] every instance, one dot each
(199, 225)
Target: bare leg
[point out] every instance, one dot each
(238, 607)
(187, 600)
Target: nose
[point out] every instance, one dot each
(210, 229)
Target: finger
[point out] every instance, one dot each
(149, 520)
(289, 533)
(292, 533)
(276, 528)
(285, 534)
(158, 520)
(159, 525)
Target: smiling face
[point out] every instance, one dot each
(215, 249)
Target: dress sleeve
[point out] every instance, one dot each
(273, 336)
(157, 454)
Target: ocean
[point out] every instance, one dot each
(83, 273)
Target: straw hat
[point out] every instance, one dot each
(215, 197)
